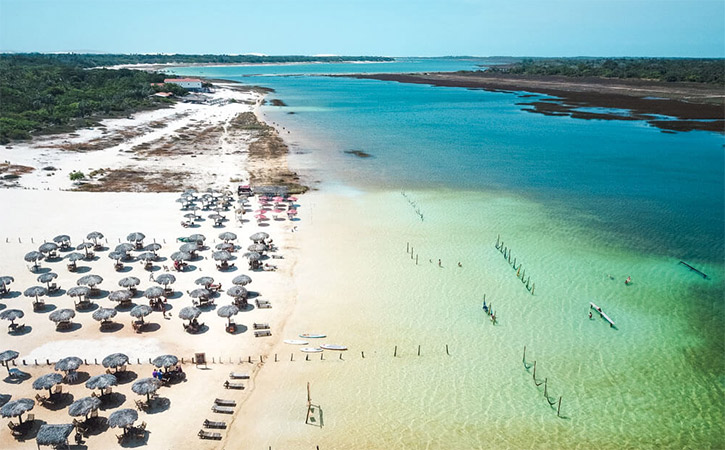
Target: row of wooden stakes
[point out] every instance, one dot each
(545, 383)
(506, 252)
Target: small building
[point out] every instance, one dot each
(186, 83)
(163, 94)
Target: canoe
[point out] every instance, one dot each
(333, 347)
(312, 336)
(311, 349)
(295, 342)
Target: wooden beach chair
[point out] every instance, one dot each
(228, 385)
(222, 409)
(262, 333)
(225, 402)
(238, 376)
(209, 435)
(263, 304)
(261, 326)
(212, 424)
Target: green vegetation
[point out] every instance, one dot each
(76, 175)
(39, 93)
(710, 71)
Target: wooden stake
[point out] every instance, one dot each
(395, 352)
(534, 372)
(447, 350)
(558, 408)
(524, 359)
(418, 349)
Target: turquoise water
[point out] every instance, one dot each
(582, 204)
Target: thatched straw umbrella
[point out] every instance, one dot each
(241, 280)
(124, 247)
(259, 237)
(181, 256)
(253, 256)
(101, 381)
(120, 296)
(84, 406)
(227, 236)
(226, 246)
(47, 381)
(237, 292)
(62, 315)
(48, 247)
(5, 280)
(200, 293)
(221, 255)
(104, 314)
(11, 315)
(117, 255)
(54, 434)
(146, 386)
(79, 291)
(129, 282)
(136, 237)
(33, 257)
(91, 280)
(152, 247)
(36, 291)
(227, 311)
(189, 247)
(114, 360)
(165, 361)
(259, 248)
(74, 258)
(189, 313)
(140, 311)
(94, 236)
(204, 281)
(123, 418)
(47, 278)
(166, 279)
(198, 238)
(62, 239)
(85, 246)
(154, 292)
(17, 408)
(68, 364)
(6, 357)
(148, 256)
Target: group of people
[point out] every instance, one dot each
(160, 375)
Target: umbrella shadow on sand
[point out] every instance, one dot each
(25, 330)
(17, 379)
(32, 432)
(40, 270)
(126, 376)
(80, 377)
(125, 269)
(57, 293)
(176, 294)
(73, 327)
(12, 294)
(100, 425)
(112, 327)
(112, 401)
(240, 329)
(159, 405)
(3, 306)
(151, 327)
(83, 269)
(88, 309)
(61, 401)
(138, 441)
(47, 307)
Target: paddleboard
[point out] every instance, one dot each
(295, 342)
(312, 336)
(310, 349)
(333, 347)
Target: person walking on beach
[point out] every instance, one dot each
(439, 263)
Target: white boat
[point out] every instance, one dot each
(333, 347)
(295, 342)
(311, 349)
(312, 336)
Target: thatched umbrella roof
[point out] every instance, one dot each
(94, 236)
(8, 355)
(47, 277)
(165, 361)
(189, 247)
(122, 418)
(120, 296)
(237, 291)
(147, 256)
(11, 314)
(189, 313)
(90, 280)
(79, 291)
(6, 280)
(191, 216)
(61, 238)
(227, 311)
(259, 248)
(114, 360)
(124, 247)
(84, 245)
(226, 246)
(47, 381)
(69, 363)
(241, 280)
(253, 256)
(152, 247)
(84, 406)
(140, 311)
(204, 281)
(146, 386)
(201, 292)
(180, 256)
(33, 256)
(216, 216)
(221, 255)
(53, 434)
(75, 256)
(197, 238)
(48, 247)
(166, 279)
(17, 407)
(259, 237)
(61, 315)
(154, 292)
(102, 314)
(101, 381)
(117, 255)
(135, 237)
(227, 236)
(35, 291)
(129, 282)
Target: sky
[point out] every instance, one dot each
(676, 28)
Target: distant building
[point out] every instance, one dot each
(186, 83)
(163, 94)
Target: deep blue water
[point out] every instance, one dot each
(663, 191)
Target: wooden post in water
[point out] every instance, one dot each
(416, 260)
(447, 350)
(363, 354)
(407, 247)
(524, 358)
(418, 349)
(395, 352)
(275, 357)
(533, 286)
(545, 391)
(518, 272)
(309, 403)
(558, 408)
(497, 238)
(534, 372)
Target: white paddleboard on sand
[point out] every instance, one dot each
(295, 342)
(311, 349)
(312, 336)
(333, 347)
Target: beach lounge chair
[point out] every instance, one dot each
(211, 424)
(224, 402)
(209, 435)
(261, 326)
(263, 303)
(140, 405)
(238, 376)
(262, 333)
(58, 390)
(120, 438)
(222, 409)
(228, 385)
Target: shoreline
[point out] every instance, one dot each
(694, 107)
